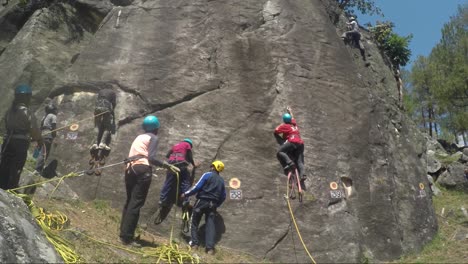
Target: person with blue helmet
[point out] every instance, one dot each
(21, 128)
(181, 156)
(138, 175)
(291, 145)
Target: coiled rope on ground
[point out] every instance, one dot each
(52, 223)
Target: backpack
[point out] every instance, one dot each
(102, 105)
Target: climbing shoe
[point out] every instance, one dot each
(130, 242)
(161, 214)
(104, 147)
(289, 167)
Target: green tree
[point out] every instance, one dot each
(364, 6)
(421, 80)
(439, 83)
(393, 45)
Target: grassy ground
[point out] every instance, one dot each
(93, 230)
(446, 248)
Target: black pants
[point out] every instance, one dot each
(105, 125)
(137, 183)
(41, 160)
(207, 208)
(295, 151)
(14, 154)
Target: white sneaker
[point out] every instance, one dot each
(94, 146)
(104, 147)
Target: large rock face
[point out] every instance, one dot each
(21, 238)
(221, 72)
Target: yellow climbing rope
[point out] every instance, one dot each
(295, 224)
(79, 121)
(172, 252)
(50, 224)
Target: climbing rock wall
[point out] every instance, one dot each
(222, 73)
(21, 238)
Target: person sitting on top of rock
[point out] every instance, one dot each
(291, 144)
(104, 118)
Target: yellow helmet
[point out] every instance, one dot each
(218, 165)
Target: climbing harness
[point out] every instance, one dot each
(185, 217)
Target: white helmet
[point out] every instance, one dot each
(352, 18)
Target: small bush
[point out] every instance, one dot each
(393, 45)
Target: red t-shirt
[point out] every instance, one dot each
(289, 132)
(179, 151)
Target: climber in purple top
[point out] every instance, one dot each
(181, 156)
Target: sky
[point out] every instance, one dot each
(422, 18)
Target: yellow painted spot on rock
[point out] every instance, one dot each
(333, 185)
(234, 183)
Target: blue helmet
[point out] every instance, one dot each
(23, 89)
(287, 118)
(150, 123)
(188, 140)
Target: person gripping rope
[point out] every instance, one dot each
(48, 125)
(291, 145)
(211, 194)
(181, 156)
(104, 118)
(138, 176)
(21, 127)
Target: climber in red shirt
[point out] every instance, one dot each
(291, 145)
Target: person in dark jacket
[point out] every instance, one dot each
(291, 145)
(104, 118)
(138, 176)
(21, 127)
(211, 193)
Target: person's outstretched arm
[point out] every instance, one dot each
(288, 108)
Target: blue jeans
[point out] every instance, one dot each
(169, 190)
(207, 208)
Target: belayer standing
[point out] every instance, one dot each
(291, 145)
(21, 127)
(138, 176)
(48, 125)
(104, 118)
(181, 156)
(211, 193)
